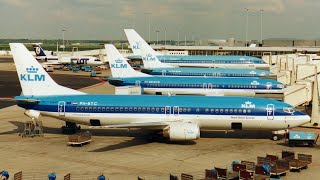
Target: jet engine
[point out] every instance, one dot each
(182, 131)
(32, 114)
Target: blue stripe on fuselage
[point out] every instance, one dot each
(149, 104)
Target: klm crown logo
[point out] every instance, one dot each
(118, 60)
(32, 75)
(149, 57)
(32, 70)
(119, 64)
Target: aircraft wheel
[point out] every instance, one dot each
(275, 137)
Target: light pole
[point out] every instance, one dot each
(157, 31)
(165, 36)
(247, 24)
(148, 17)
(261, 10)
(185, 39)
(178, 38)
(63, 46)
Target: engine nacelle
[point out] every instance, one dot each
(182, 132)
(32, 113)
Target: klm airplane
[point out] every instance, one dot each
(247, 62)
(124, 75)
(178, 118)
(155, 67)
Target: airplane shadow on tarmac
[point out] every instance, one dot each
(141, 137)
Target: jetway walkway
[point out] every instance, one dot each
(301, 74)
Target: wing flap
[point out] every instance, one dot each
(148, 125)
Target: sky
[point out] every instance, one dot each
(193, 19)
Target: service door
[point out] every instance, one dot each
(164, 72)
(137, 83)
(61, 108)
(270, 111)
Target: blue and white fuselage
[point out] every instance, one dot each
(201, 85)
(206, 112)
(208, 72)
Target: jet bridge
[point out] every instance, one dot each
(301, 74)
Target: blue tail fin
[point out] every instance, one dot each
(38, 50)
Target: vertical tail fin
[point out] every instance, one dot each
(34, 80)
(119, 66)
(150, 60)
(38, 50)
(136, 42)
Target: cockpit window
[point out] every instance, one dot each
(289, 110)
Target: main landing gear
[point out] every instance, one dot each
(70, 128)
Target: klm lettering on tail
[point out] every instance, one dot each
(32, 75)
(149, 57)
(119, 64)
(136, 45)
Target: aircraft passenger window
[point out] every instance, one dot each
(244, 111)
(144, 109)
(77, 108)
(139, 108)
(134, 109)
(157, 109)
(116, 108)
(212, 110)
(227, 110)
(126, 108)
(152, 109)
(180, 109)
(148, 109)
(107, 108)
(197, 110)
(231, 110)
(130, 109)
(184, 109)
(82, 108)
(207, 110)
(94, 109)
(103, 108)
(249, 110)
(121, 108)
(240, 110)
(162, 109)
(90, 108)
(217, 110)
(189, 109)
(86, 108)
(99, 108)
(221, 110)
(235, 110)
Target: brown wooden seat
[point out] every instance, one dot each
(249, 165)
(238, 167)
(186, 177)
(305, 158)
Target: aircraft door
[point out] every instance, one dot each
(167, 110)
(61, 108)
(269, 85)
(270, 111)
(164, 73)
(175, 110)
(209, 86)
(137, 83)
(204, 86)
